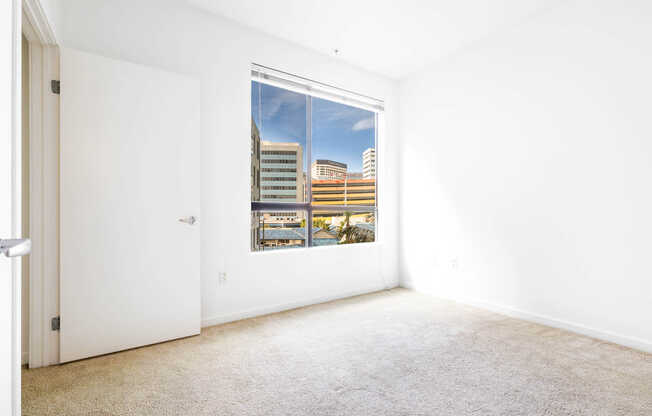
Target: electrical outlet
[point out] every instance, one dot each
(455, 264)
(222, 278)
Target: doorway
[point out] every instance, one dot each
(38, 189)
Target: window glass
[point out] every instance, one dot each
(313, 170)
(343, 227)
(278, 143)
(277, 230)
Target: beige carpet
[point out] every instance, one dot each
(389, 353)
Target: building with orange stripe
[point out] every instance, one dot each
(348, 192)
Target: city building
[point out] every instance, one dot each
(354, 175)
(323, 169)
(282, 178)
(271, 238)
(275, 238)
(344, 192)
(369, 163)
(255, 162)
(255, 181)
(281, 173)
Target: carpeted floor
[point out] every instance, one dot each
(388, 353)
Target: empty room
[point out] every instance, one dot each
(303, 207)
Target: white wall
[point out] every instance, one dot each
(167, 35)
(527, 160)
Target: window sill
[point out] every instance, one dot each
(355, 246)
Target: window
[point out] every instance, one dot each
(313, 163)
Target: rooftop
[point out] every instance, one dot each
(299, 233)
(341, 181)
(330, 162)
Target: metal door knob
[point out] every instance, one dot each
(192, 220)
(14, 247)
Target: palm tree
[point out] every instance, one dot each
(320, 223)
(350, 234)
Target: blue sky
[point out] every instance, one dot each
(339, 132)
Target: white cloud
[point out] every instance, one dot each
(271, 106)
(364, 124)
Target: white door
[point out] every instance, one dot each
(9, 208)
(129, 268)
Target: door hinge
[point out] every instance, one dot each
(56, 323)
(56, 86)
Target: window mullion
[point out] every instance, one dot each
(267, 206)
(344, 208)
(308, 169)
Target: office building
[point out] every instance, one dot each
(323, 169)
(282, 178)
(369, 163)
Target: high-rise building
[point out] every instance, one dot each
(322, 169)
(281, 173)
(255, 182)
(369, 163)
(282, 178)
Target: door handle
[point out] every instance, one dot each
(14, 247)
(191, 220)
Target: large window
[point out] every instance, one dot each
(313, 163)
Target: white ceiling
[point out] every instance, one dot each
(390, 37)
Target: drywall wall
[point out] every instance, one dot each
(526, 172)
(172, 36)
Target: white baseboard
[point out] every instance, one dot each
(251, 313)
(627, 341)
(25, 358)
